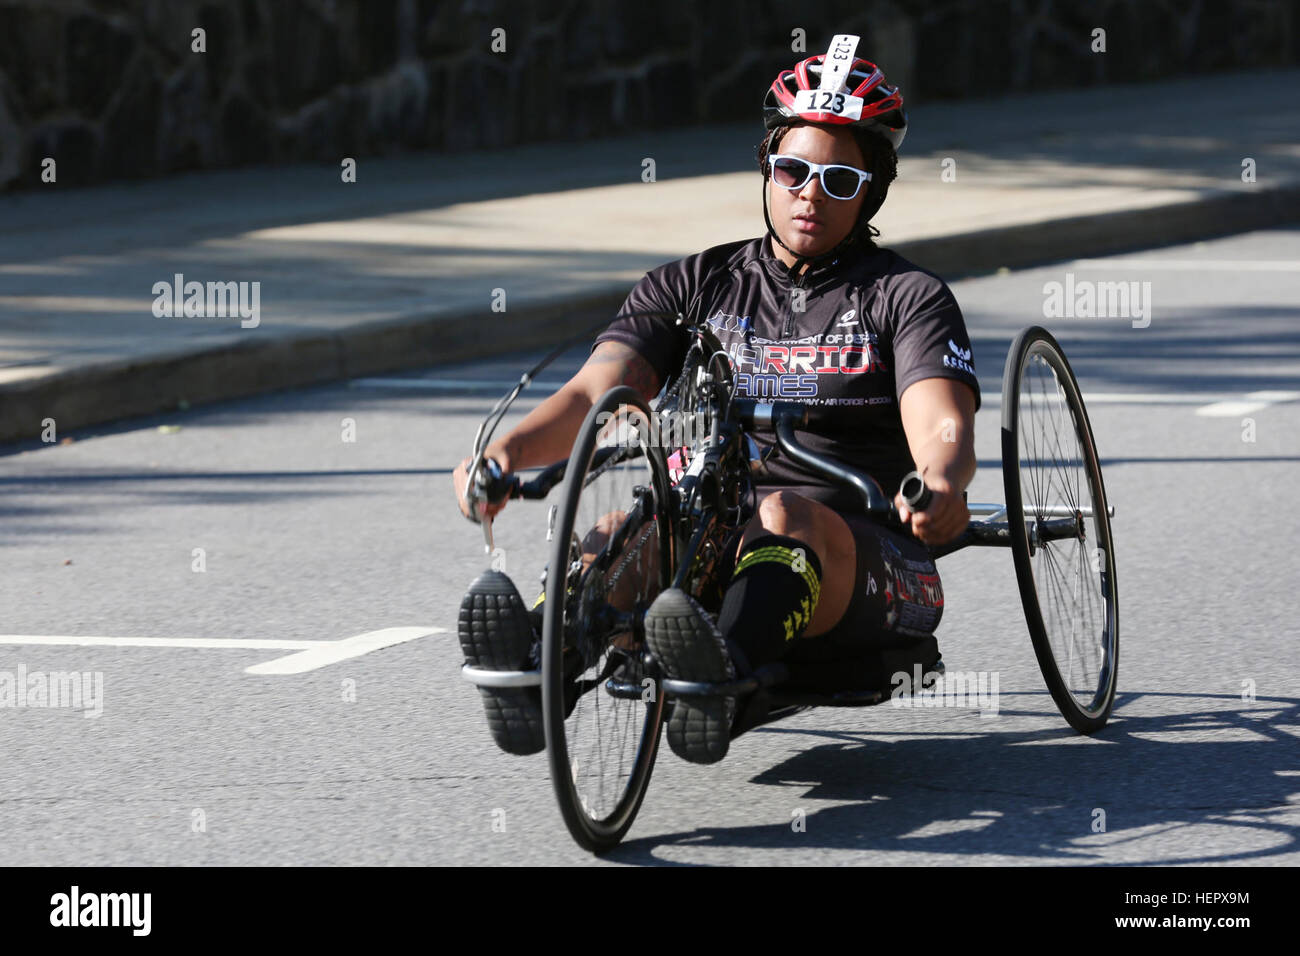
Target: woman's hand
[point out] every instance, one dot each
(943, 519)
(460, 480)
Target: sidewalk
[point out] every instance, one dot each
(399, 269)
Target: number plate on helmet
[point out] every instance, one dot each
(824, 101)
(838, 61)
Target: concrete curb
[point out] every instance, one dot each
(1104, 233)
(96, 394)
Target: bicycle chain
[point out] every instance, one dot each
(634, 551)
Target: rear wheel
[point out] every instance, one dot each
(1060, 530)
(612, 554)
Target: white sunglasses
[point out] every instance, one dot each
(839, 182)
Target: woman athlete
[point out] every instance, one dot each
(812, 312)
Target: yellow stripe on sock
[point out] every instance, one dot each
(782, 556)
(775, 554)
(779, 554)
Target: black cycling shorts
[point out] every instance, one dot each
(896, 593)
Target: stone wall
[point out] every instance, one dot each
(114, 89)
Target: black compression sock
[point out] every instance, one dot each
(768, 602)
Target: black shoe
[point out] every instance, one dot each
(496, 633)
(685, 641)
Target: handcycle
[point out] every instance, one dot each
(658, 499)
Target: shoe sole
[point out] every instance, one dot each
(678, 635)
(496, 634)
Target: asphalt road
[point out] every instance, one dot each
(384, 757)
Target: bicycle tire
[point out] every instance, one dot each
(1081, 673)
(598, 819)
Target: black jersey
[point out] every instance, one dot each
(846, 340)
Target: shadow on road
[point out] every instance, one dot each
(1164, 783)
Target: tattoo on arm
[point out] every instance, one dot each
(637, 372)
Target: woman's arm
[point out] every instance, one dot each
(939, 420)
(547, 433)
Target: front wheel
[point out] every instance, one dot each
(612, 553)
(1060, 530)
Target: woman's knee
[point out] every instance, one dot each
(787, 512)
(784, 511)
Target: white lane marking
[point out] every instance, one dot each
(331, 652)
(1191, 265)
(992, 397)
(1147, 398)
(311, 654)
(451, 384)
(195, 642)
(1213, 404)
(1251, 402)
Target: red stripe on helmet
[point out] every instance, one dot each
(803, 80)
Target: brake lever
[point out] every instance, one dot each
(484, 479)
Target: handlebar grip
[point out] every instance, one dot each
(492, 485)
(914, 492)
